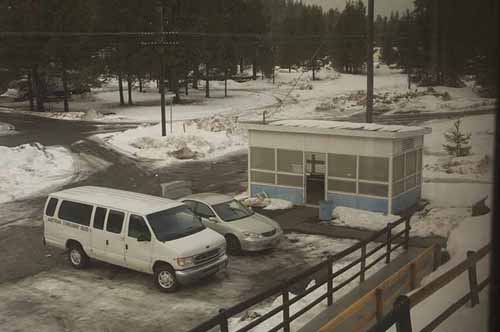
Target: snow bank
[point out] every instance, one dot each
(472, 234)
(350, 217)
(194, 140)
(30, 168)
(436, 221)
(6, 129)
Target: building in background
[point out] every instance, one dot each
(364, 166)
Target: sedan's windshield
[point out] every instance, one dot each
(232, 210)
(174, 223)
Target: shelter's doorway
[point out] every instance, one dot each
(315, 177)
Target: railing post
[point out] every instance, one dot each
(402, 307)
(436, 257)
(363, 263)
(413, 275)
(389, 243)
(223, 321)
(474, 296)
(329, 281)
(286, 309)
(379, 304)
(407, 233)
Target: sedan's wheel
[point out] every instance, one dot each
(77, 257)
(233, 245)
(164, 278)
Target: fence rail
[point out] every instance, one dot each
(401, 312)
(400, 239)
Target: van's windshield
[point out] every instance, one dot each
(174, 223)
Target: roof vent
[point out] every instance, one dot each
(408, 144)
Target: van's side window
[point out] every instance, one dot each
(76, 212)
(99, 216)
(51, 207)
(137, 227)
(115, 221)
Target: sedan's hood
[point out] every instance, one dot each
(197, 243)
(255, 223)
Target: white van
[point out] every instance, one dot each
(141, 232)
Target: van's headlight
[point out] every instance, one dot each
(252, 235)
(185, 261)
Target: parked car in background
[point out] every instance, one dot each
(141, 232)
(244, 229)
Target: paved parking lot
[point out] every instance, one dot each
(108, 298)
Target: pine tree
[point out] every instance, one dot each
(458, 142)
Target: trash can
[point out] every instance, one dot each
(325, 210)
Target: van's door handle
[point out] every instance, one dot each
(126, 246)
(107, 242)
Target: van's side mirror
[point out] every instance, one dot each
(144, 238)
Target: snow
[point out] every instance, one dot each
(196, 140)
(472, 234)
(350, 217)
(322, 124)
(478, 166)
(263, 201)
(6, 129)
(278, 204)
(30, 168)
(312, 243)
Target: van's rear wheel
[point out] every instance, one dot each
(77, 257)
(164, 278)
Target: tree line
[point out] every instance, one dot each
(291, 34)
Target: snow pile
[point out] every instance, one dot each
(265, 202)
(472, 234)
(350, 217)
(186, 142)
(10, 93)
(31, 168)
(6, 129)
(436, 221)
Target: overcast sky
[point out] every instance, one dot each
(383, 7)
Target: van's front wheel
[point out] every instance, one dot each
(164, 278)
(77, 257)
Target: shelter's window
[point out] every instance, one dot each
(342, 166)
(262, 158)
(398, 188)
(290, 161)
(262, 177)
(290, 180)
(373, 189)
(411, 163)
(398, 167)
(374, 169)
(342, 186)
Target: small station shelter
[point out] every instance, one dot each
(360, 165)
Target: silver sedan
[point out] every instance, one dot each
(244, 229)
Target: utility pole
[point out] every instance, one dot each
(369, 64)
(162, 72)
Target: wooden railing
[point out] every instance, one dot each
(371, 307)
(401, 312)
(390, 242)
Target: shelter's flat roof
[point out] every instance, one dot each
(119, 199)
(339, 128)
